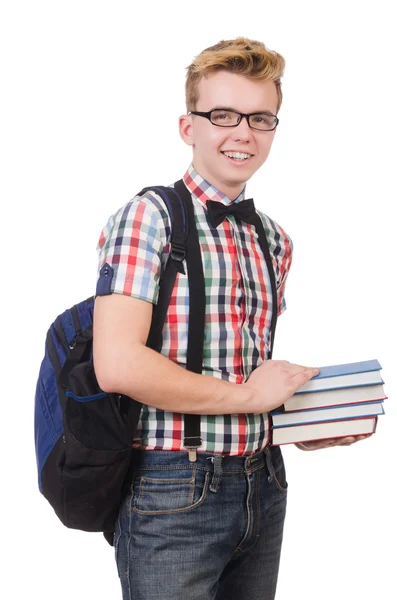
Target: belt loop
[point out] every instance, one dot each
(269, 464)
(217, 476)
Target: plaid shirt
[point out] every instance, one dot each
(136, 243)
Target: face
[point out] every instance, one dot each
(209, 142)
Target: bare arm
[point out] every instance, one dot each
(123, 364)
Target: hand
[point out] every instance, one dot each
(342, 441)
(273, 382)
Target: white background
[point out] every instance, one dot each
(81, 82)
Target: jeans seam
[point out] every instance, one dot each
(258, 526)
(189, 480)
(129, 513)
(282, 489)
(258, 504)
(198, 468)
(247, 505)
(278, 484)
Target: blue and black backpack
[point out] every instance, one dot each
(83, 435)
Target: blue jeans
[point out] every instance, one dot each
(205, 530)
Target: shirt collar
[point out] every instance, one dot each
(203, 190)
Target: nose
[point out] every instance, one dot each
(242, 131)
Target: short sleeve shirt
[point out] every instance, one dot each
(135, 242)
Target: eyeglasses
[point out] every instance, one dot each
(223, 117)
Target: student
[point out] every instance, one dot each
(209, 528)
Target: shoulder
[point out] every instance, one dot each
(280, 247)
(143, 214)
(149, 203)
(277, 237)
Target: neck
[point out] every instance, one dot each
(230, 189)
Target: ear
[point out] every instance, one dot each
(186, 129)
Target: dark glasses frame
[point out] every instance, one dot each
(208, 115)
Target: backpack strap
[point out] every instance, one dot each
(80, 346)
(179, 233)
(184, 244)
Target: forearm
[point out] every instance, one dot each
(153, 379)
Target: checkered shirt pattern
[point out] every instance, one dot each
(136, 243)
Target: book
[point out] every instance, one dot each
(336, 397)
(345, 375)
(317, 415)
(320, 431)
(349, 368)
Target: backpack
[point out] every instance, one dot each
(83, 435)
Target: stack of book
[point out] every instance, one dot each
(342, 400)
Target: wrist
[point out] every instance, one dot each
(252, 400)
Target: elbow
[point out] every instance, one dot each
(107, 379)
(107, 370)
(114, 372)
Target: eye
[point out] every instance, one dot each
(262, 119)
(224, 117)
(220, 116)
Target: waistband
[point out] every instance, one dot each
(169, 459)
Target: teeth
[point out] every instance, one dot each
(237, 155)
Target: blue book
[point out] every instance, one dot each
(336, 397)
(333, 413)
(325, 430)
(365, 366)
(360, 374)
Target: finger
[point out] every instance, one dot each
(351, 439)
(294, 368)
(306, 446)
(330, 442)
(334, 442)
(356, 438)
(301, 377)
(312, 445)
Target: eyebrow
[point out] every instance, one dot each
(235, 110)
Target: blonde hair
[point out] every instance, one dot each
(242, 56)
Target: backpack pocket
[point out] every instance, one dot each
(96, 461)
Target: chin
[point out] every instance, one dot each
(240, 178)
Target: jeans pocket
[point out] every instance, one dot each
(280, 476)
(165, 492)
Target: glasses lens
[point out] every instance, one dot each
(263, 121)
(224, 118)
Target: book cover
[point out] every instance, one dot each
(341, 381)
(336, 397)
(322, 431)
(334, 413)
(349, 368)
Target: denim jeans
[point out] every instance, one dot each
(205, 530)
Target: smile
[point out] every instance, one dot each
(237, 156)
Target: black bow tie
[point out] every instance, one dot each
(244, 210)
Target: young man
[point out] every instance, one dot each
(211, 526)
